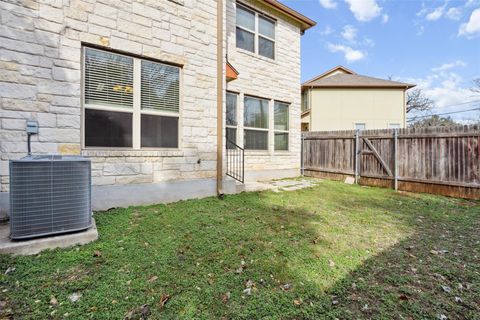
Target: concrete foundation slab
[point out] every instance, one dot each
(34, 246)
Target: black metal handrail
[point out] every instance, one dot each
(235, 161)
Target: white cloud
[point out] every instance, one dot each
(385, 18)
(448, 91)
(472, 27)
(350, 54)
(448, 66)
(436, 14)
(364, 10)
(423, 11)
(328, 4)
(349, 33)
(454, 13)
(326, 31)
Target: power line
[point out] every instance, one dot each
(459, 104)
(441, 114)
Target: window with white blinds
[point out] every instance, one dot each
(160, 86)
(130, 102)
(108, 79)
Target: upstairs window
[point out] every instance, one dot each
(245, 29)
(130, 102)
(266, 37)
(255, 32)
(305, 105)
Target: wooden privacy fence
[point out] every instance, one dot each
(442, 160)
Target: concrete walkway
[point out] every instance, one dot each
(281, 185)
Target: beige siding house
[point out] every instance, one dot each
(141, 89)
(340, 99)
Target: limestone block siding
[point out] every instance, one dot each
(40, 78)
(277, 79)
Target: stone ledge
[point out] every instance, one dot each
(132, 153)
(34, 246)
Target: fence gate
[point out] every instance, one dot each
(376, 156)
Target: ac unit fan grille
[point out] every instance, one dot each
(49, 197)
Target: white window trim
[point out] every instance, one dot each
(259, 130)
(236, 115)
(305, 101)
(282, 131)
(355, 125)
(136, 109)
(271, 127)
(255, 128)
(397, 125)
(256, 32)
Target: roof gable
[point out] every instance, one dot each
(331, 72)
(341, 77)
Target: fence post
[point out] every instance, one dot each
(395, 159)
(357, 148)
(302, 149)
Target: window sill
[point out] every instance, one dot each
(258, 152)
(103, 152)
(257, 56)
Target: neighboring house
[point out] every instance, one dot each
(141, 89)
(340, 99)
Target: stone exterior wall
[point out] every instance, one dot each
(277, 79)
(40, 78)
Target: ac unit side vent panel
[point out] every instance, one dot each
(49, 195)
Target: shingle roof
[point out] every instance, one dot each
(305, 22)
(342, 80)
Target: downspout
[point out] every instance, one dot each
(220, 98)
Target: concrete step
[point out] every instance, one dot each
(239, 187)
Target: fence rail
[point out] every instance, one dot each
(444, 160)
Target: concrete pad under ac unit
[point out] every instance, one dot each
(36, 245)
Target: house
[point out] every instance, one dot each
(141, 89)
(340, 99)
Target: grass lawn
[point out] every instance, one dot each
(331, 251)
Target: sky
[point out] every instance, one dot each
(434, 44)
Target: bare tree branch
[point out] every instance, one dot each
(418, 101)
(434, 121)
